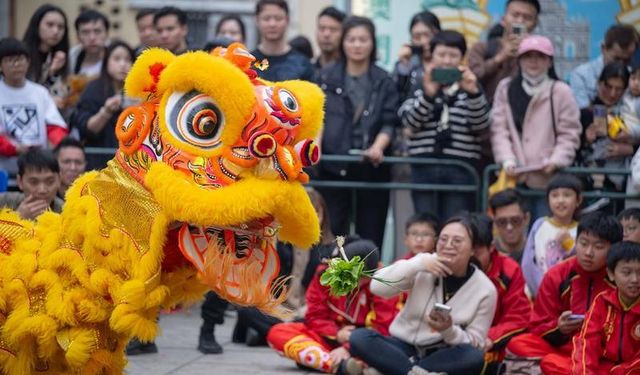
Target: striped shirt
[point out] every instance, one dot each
(445, 126)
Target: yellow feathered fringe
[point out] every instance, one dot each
(81, 284)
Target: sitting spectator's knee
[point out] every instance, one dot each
(360, 338)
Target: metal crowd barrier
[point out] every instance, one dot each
(493, 168)
(479, 187)
(472, 188)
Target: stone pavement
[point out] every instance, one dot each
(177, 353)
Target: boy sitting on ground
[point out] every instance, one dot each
(566, 293)
(609, 342)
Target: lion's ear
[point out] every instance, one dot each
(143, 78)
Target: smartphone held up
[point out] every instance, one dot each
(446, 76)
(518, 29)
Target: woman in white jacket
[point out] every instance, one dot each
(423, 339)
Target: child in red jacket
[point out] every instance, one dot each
(610, 339)
(566, 293)
(321, 342)
(513, 310)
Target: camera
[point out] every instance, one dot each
(518, 29)
(416, 49)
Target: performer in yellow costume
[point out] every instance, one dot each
(207, 174)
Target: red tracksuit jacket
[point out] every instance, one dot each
(326, 314)
(514, 309)
(610, 339)
(566, 286)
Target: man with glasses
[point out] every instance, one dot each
(620, 42)
(511, 221)
(29, 117)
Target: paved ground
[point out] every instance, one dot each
(177, 353)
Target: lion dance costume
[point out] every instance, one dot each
(208, 172)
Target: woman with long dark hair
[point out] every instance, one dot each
(535, 119)
(103, 100)
(47, 39)
(363, 100)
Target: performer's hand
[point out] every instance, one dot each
(344, 333)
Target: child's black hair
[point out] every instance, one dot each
(565, 180)
(630, 213)
(484, 228)
(625, 250)
(423, 217)
(449, 38)
(12, 47)
(602, 225)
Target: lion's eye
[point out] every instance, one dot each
(205, 123)
(194, 118)
(287, 100)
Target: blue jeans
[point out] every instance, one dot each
(442, 204)
(393, 356)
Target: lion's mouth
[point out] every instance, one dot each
(240, 241)
(239, 263)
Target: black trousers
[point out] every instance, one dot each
(213, 309)
(367, 207)
(250, 317)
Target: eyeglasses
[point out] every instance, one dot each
(455, 241)
(515, 221)
(421, 235)
(15, 60)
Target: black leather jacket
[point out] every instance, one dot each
(379, 115)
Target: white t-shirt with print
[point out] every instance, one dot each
(25, 113)
(548, 249)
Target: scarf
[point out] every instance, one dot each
(533, 85)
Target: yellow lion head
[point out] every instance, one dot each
(223, 152)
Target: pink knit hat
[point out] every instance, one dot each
(537, 43)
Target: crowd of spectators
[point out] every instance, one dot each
(528, 287)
